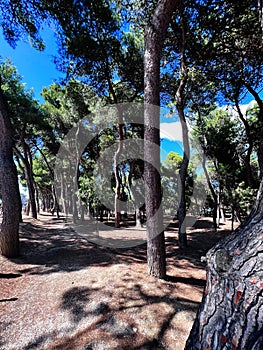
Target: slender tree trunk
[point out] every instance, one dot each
(138, 220)
(43, 201)
(64, 195)
(37, 200)
(208, 180)
(154, 39)
(230, 315)
(29, 176)
(182, 188)
(116, 167)
(55, 207)
(180, 104)
(118, 151)
(117, 197)
(11, 201)
(134, 195)
(213, 193)
(260, 118)
(249, 174)
(75, 194)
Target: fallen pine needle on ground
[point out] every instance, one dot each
(66, 293)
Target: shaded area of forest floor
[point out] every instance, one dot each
(67, 293)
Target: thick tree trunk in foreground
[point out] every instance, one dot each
(11, 201)
(154, 39)
(231, 313)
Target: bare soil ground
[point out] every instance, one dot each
(67, 293)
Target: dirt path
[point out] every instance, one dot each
(66, 293)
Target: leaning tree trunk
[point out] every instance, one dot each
(231, 313)
(154, 39)
(180, 104)
(11, 201)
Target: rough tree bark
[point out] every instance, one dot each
(154, 39)
(11, 201)
(231, 313)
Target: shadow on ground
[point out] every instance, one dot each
(140, 321)
(57, 249)
(53, 249)
(134, 310)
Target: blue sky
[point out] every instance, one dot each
(36, 68)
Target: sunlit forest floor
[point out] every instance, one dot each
(66, 293)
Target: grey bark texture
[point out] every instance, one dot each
(231, 312)
(154, 39)
(11, 201)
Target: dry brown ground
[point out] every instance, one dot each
(65, 293)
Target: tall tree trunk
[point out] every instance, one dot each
(119, 149)
(230, 315)
(180, 104)
(182, 188)
(25, 158)
(134, 195)
(260, 118)
(116, 166)
(154, 39)
(55, 207)
(247, 160)
(208, 180)
(11, 201)
(75, 194)
(213, 193)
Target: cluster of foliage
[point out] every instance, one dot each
(101, 45)
(231, 157)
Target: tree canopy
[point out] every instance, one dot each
(166, 52)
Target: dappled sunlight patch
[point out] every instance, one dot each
(67, 293)
(178, 330)
(150, 318)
